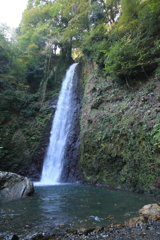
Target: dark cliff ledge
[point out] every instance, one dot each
(119, 132)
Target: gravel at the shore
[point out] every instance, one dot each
(149, 231)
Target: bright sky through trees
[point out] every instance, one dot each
(11, 11)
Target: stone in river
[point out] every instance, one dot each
(13, 185)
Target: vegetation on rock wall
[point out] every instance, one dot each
(120, 132)
(120, 115)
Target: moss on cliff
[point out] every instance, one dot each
(20, 138)
(119, 140)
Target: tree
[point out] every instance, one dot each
(131, 49)
(6, 50)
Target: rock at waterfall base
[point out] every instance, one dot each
(134, 222)
(15, 186)
(150, 211)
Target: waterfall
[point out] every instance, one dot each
(53, 162)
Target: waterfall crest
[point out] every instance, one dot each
(53, 162)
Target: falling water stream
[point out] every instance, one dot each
(53, 162)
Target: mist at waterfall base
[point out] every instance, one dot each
(53, 162)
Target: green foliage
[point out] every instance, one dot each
(6, 51)
(121, 36)
(13, 94)
(93, 42)
(120, 58)
(97, 14)
(156, 133)
(132, 46)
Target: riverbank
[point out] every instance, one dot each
(150, 230)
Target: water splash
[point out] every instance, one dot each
(53, 163)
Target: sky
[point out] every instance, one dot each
(11, 11)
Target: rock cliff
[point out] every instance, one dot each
(120, 125)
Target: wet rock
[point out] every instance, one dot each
(13, 185)
(37, 236)
(10, 237)
(85, 230)
(150, 211)
(137, 221)
(15, 237)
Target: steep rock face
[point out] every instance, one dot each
(119, 132)
(14, 186)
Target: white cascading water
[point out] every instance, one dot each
(53, 162)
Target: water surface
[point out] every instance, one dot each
(69, 206)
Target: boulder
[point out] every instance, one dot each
(85, 230)
(13, 185)
(39, 236)
(150, 211)
(134, 222)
